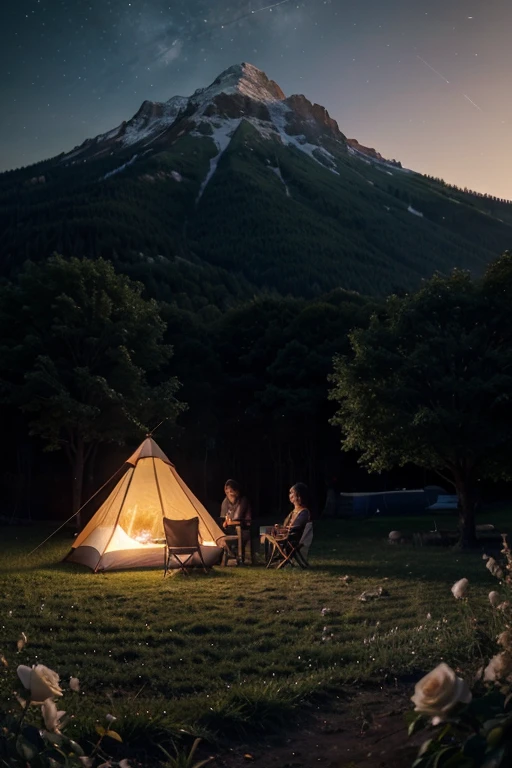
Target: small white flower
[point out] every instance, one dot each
(460, 588)
(23, 640)
(110, 718)
(74, 684)
(494, 598)
(493, 567)
(51, 716)
(324, 611)
(505, 639)
(429, 616)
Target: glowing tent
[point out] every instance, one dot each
(127, 530)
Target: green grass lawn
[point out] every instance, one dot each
(242, 648)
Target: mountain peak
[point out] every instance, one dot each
(244, 79)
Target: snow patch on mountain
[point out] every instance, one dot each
(278, 112)
(121, 168)
(142, 127)
(279, 175)
(244, 79)
(109, 134)
(154, 138)
(222, 135)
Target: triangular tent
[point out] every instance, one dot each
(127, 530)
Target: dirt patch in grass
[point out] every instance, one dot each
(366, 731)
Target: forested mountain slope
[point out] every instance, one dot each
(239, 190)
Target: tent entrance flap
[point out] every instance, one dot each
(127, 530)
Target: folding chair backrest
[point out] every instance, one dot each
(306, 540)
(182, 533)
(307, 536)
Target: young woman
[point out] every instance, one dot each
(300, 514)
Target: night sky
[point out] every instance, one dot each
(425, 82)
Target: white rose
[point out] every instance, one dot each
(51, 716)
(499, 667)
(438, 692)
(460, 588)
(494, 599)
(43, 683)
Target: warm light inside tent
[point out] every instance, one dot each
(120, 540)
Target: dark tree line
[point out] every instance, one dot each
(88, 362)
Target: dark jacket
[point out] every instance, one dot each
(240, 510)
(296, 521)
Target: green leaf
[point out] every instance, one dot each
(442, 757)
(498, 758)
(77, 749)
(113, 735)
(425, 747)
(56, 739)
(460, 761)
(26, 749)
(100, 730)
(417, 723)
(475, 748)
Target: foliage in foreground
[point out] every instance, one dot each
(44, 743)
(472, 730)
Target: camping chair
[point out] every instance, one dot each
(182, 546)
(290, 550)
(236, 546)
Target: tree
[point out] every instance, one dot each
(82, 355)
(430, 382)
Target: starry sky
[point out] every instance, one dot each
(424, 81)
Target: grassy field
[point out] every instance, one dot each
(243, 648)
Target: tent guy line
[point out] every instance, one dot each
(75, 513)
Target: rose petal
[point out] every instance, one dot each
(24, 673)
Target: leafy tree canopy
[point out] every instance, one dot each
(430, 382)
(82, 355)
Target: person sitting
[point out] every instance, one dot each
(236, 507)
(300, 515)
(281, 542)
(236, 511)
